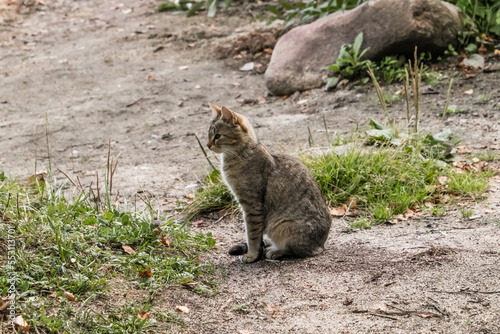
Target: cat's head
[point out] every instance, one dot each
(229, 131)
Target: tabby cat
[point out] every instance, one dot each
(277, 193)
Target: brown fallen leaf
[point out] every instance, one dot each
(21, 323)
(128, 249)
(271, 309)
(53, 295)
(496, 52)
(379, 307)
(190, 284)
(146, 273)
(165, 241)
(182, 309)
(151, 77)
(353, 202)
(463, 149)
(144, 315)
(4, 303)
(69, 296)
(337, 212)
(197, 223)
(189, 196)
(426, 315)
(443, 180)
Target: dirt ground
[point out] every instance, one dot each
(95, 70)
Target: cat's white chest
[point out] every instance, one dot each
(224, 176)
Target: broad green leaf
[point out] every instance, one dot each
(385, 134)
(331, 83)
(212, 8)
(357, 43)
(376, 125)
(471, 48)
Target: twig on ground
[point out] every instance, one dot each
(434, 304)
(382, 316)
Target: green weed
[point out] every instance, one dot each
(466, 212)
(75, 246)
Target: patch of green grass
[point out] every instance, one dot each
(360, 223)
(244, 308)
(385, 181)
(438, 210)
(466, 212)
(213, 196)
(76, 246)
(486, 155)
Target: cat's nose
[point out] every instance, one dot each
(209, 144)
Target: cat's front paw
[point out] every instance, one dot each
(250, 257)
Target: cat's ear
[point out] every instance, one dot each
(228, 116)
(242, 122)
(217, 112)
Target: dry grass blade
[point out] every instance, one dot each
(69, 178)
(447, 98)
(407, 99)
(415, 75)
(379, 94)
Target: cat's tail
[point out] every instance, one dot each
(239, 249)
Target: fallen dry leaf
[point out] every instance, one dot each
(190, 284)
(337, 212)
(189, 196)
(165, 241)
(426, 315)
(197, 223)
(379, 307)
(53, 295)
(4, 303)
(463, 149)
(128, 249)
(151, 77)
(69, 296)
(442, 180)
(353, 202)
(469, 92)
(271, 309)
(144, 315)
(261, 100)
(496, 52)
(21, 323)
(183, 309)
(146, 273)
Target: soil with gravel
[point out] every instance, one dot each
(94, 70)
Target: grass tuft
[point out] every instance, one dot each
(73, 246)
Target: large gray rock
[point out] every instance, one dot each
(389, 27)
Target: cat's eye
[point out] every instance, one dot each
(217, 136)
